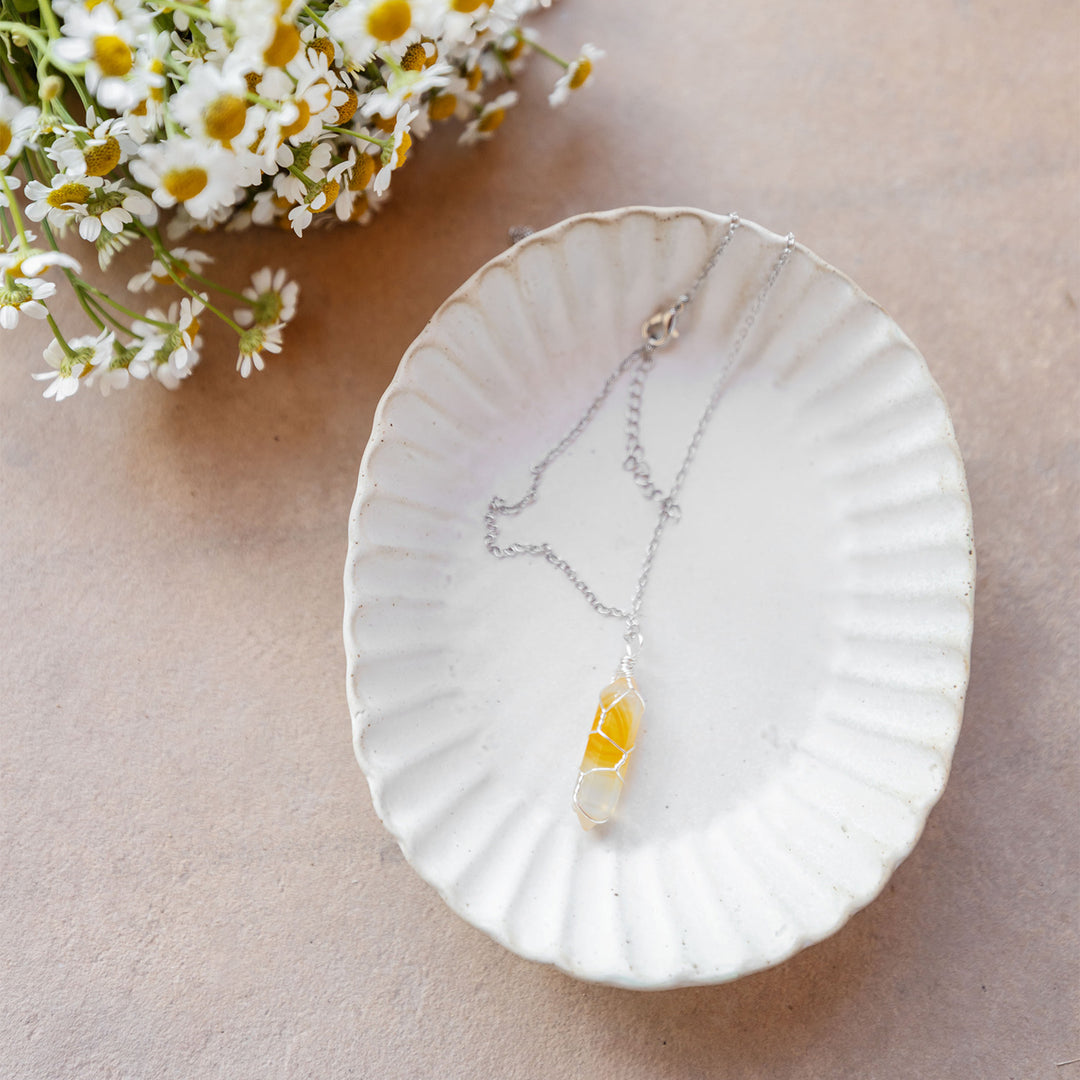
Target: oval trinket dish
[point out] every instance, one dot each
(807, 628)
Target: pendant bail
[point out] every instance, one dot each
(633, 640)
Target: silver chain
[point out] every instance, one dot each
(658, 331)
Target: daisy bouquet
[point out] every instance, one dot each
(145, 121)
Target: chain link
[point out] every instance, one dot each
(657, 332)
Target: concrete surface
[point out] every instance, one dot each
(193, 883)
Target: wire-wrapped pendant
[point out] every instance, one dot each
(611, 741)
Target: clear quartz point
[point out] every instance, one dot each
(611, 741)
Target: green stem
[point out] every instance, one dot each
(310, 12)
(386, 144)
(68, 351)
(16, 217)
(48, 18)
(29, 32)
(115, 321)
(93, 290)
(501, 57)
(163, 254)
(537, 47)
(218, 287)
(84, 303)
(302, 176)
(258, 99)
(200, 13)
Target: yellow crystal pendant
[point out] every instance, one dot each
(603, 766)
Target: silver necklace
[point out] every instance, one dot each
(618, 715)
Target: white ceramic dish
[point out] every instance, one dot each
(807, 627)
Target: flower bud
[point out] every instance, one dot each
(50, 88)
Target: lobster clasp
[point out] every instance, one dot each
(661, 329)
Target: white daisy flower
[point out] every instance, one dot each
(119, 371)
(202, 176)
(362, 26)
(63, 201)
(307, 106)
(253, 343)
(454, 99)
(393, 156)
(212, 104)
(18, 123)
(170, 351)
(106, 43)
(146, 117)
(184, 260)
(312, 158)
(315, 41)
(93, 150)
(22, 296)
(576, 75)
(506, 60)
(490, 117)
(319, 199)
(67, 370)
(273, 299)
(112, 207)
(402, 85)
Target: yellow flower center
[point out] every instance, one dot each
(299, 123)
(362, 173)
(184, 184)
(385, 123)
(403, 149)
(466, 7)
(324, 46)
(102, 159)
(68, 193)
(491, 120)
(112, 55)
(285, 45)
(442, 107)
(347, 110)
(581, 73)
(192, 328)
(515, 50)
(253, 78)
(414, 58)
(224, 118)
(389, 20)
(331, 190)
(6, 135)
(473, 78)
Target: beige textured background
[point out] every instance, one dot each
(193, 882)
